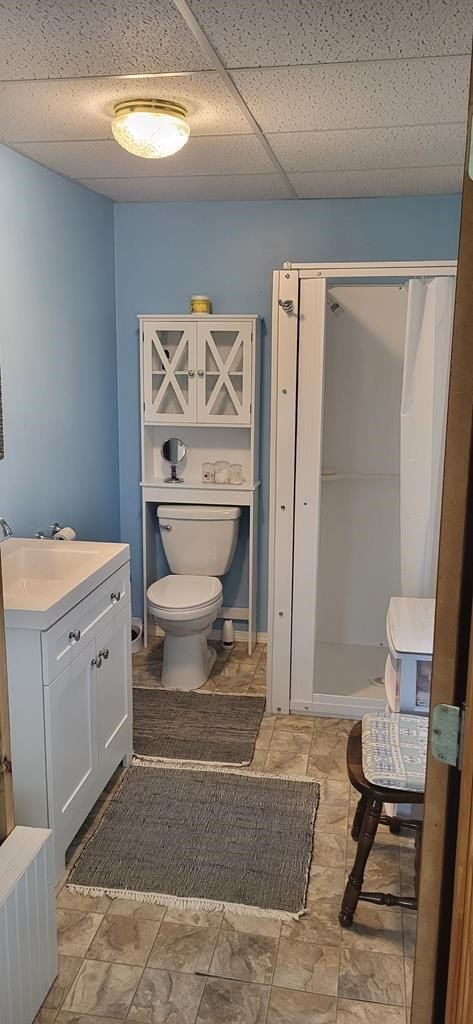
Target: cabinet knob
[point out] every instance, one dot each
(74, 635)
(96, 662)
(116, 596)
(200, 373)
(104, 653)
(191, 373)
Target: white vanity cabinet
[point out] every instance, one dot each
(197, 372)
(70, 709)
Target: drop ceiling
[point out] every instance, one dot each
(285, 98)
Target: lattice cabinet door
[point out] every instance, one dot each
(224, 372)
(169, 372)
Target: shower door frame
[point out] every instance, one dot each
(298, 347)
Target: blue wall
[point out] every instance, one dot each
(57, 353)
(165, 252)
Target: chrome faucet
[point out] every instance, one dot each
(5, 527)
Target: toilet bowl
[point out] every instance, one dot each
(185, 608)
(199, 542)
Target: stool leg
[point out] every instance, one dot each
(363, 850)
(358, 819)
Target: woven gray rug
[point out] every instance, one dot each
(206, 839)
(186, 726)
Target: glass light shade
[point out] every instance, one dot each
(150, 128)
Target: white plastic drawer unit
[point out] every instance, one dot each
(71, 634)
(410, 635)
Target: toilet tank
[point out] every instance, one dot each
(199, 540)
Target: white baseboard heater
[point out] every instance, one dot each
(28, 943)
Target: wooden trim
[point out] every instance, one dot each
(451, 650)
(7, 820)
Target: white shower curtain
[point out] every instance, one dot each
(423, 419)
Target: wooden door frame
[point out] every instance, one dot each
(447, 854)
(7, 820)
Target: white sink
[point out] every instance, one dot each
(43, 579)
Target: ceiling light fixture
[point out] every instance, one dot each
(150, 128)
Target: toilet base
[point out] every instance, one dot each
(187, 661)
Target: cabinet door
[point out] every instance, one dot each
(169, 377)
(224, 373)
(114, 693)
(71, 745)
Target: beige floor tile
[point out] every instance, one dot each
(334, 791)
(163, 997)
(377, 929)
(284, 762)
(349, 1012)
(124, 940)
(67, 900)
(68, 967)
(307, 967)
(80, 1018)
(134, 908)
(183, 947)
(331, 818)
(103, 989)
(373, 977)
(409, 978)
(148, 675)
(75, 931)
(266, 730)
(297, 742)
(45, 1016)
(258, 686)
(318, 925)
(295, 724)
(258, 760)
(409, 932)
(232, 684)
(199, 918)
(233, 1002)
(324, 881)
(289, 1007)
(329, 849)
(243, 955)
(250, 925)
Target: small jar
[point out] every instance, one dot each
(200, 304)
(236, 473)
(208, 472)
(222, 472)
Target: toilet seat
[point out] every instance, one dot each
(181, 597)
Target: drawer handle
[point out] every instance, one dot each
(104, 653)
(74, 635)
(96, 662)
(116, 596)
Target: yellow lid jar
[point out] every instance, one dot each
(200, 304)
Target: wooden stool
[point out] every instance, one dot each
(368, 816)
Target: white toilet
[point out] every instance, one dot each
(199, 543)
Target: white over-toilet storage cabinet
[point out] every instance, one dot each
(200, 383)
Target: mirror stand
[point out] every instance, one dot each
(174, 478)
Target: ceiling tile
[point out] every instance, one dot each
(405, 182)
(69, 38)
(420, 146)
(217, 154)
(83, 108)
(206, 187)
(366, 95)
(260, 33)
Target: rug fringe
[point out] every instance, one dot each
(147, 760)
(187, 903)
(200, 766)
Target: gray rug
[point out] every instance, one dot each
(204, 839)
(187, 726)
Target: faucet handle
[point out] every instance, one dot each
(54, 529)
(39, 535)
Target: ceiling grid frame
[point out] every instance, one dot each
(286, 99)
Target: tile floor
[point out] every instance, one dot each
(141, 963)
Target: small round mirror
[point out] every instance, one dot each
(173, 450)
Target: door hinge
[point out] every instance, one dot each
(447, 734)
(5, 766)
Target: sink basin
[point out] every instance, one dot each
(43, 579)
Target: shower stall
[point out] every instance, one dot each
(360, 363)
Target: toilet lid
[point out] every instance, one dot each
(176, 592)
